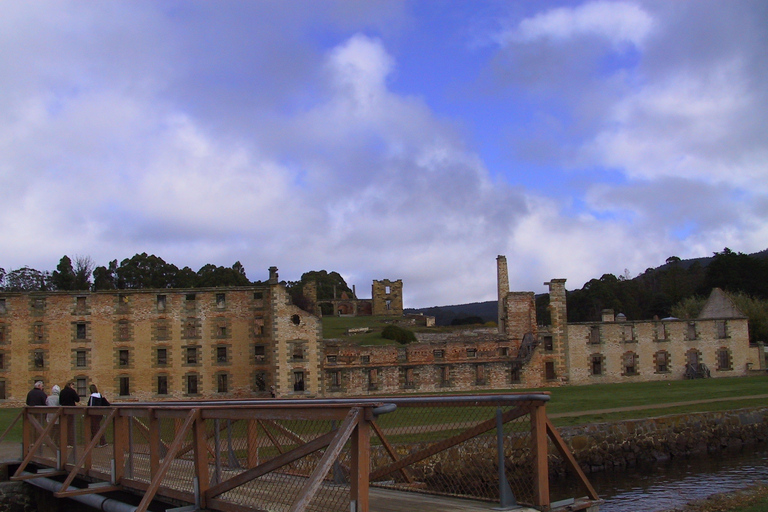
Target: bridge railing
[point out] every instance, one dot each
(299, 454)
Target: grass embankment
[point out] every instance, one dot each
(752, 499)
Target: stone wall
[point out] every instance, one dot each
(614, 446)
(471, 360)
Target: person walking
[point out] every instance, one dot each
(69, 398)
(53, 401)
(96, 400)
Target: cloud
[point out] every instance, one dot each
(292, 134)
(619, 23)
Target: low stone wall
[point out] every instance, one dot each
(612, 446)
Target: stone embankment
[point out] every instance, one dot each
(618, 445)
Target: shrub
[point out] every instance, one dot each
(400, 335)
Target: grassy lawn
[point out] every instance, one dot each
(6, 417)
(336, 327)
(610, 396)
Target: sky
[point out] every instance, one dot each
(413, 140)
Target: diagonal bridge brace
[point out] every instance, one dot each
(334, 440)
(438, 447)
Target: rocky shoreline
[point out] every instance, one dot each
(625, 444)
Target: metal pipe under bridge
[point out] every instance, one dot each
(461, 453)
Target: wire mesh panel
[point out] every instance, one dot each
(249, 443)
(450, 448)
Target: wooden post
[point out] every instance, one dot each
(154, 444)
(201, 459)
(87, 432)
(253, 443)
(64, 438)
(120, 445)
(539, 455)
(26, 434)
(361, 464)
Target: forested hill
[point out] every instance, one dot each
(481, 312)
(653, 293)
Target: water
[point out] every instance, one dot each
(664, 486)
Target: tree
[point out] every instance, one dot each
(2, 278)
(211, 275)
(26, 279)
(83, 270)
(185, 278)
(145, 271)
(328, 283)
(63, 278)
(104, 277)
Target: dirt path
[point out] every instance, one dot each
(10, 451)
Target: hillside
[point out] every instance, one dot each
(444, 315)
(652, 293)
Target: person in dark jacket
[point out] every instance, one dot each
(96, 400)
(69, 397)
(36, 395)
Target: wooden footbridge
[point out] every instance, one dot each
(461, 453)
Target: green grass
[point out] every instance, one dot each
(757, 507)
(627, 394)
(336, 327)
(6, 417)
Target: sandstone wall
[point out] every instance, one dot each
(659, 349)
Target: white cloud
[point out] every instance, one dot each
(686, 125)
(282, 136)
(618, 22)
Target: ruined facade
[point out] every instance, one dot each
(155, 344)
(386, 300)
(521, 353)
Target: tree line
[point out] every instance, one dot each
(677, 289)
(139, 271)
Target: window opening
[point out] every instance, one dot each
(298, 381)
(81, 360)
(222, 383)
(162, 385)
(597, 364)
(221, 354)
(191, 384)
(125, 388)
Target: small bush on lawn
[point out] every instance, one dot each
(400, 335)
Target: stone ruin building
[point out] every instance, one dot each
(240, 341)
(523, 354)
(386, 300)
